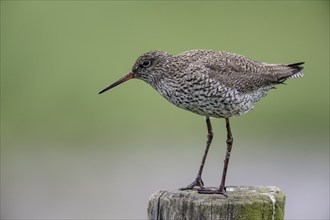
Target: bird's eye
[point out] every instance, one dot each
(146, 63)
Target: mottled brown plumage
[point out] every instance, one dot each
(210, 83)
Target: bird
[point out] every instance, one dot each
(213, 84)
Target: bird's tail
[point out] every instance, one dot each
(283, 72)
(296, 68)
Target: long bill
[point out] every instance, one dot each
(128, 76)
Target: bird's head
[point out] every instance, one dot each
(149, 67)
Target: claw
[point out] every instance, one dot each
(213, 191)
(198, 182)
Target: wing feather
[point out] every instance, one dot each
(247, 75)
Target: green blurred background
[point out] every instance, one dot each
(67, 152)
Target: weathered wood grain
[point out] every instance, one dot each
(243, 202)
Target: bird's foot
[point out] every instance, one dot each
(221, 191)
(198, 182)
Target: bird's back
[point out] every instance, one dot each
(239, 72)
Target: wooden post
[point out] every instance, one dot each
(243, 202)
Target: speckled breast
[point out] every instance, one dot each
(209, 98)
